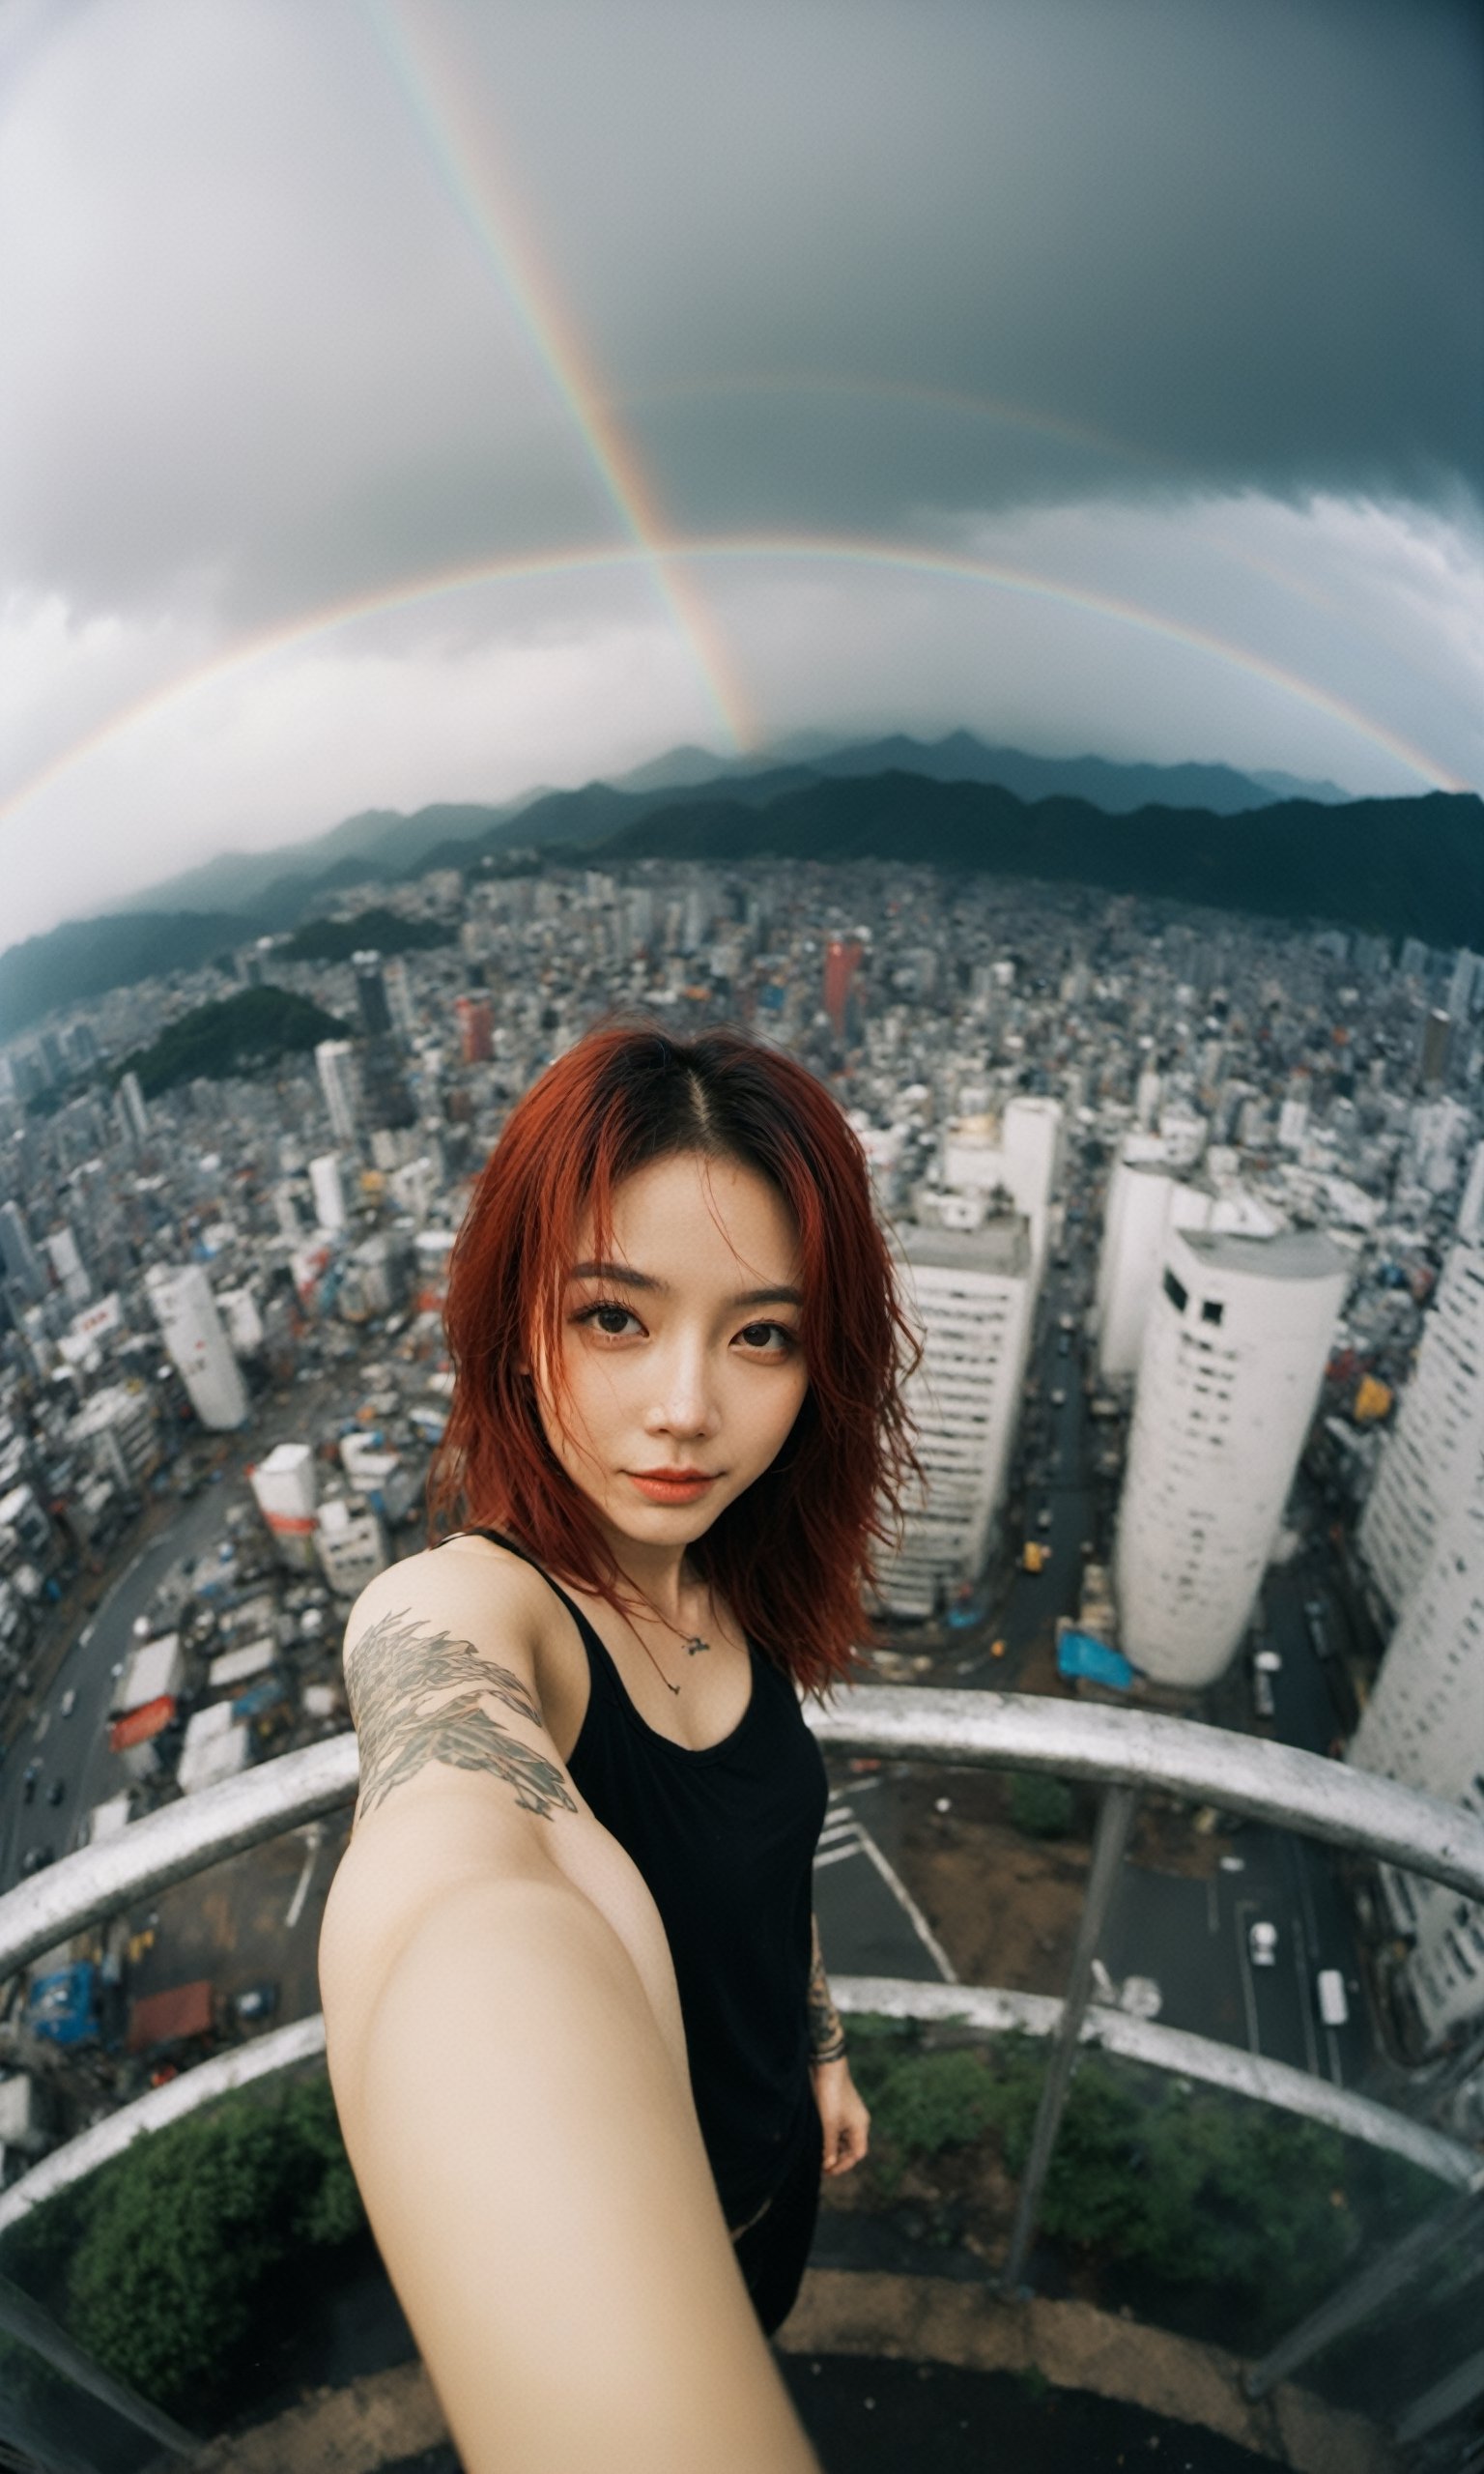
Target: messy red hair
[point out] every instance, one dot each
(793, 1557)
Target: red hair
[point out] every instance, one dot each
(792, 1556)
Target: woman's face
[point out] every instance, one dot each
(680, 1351)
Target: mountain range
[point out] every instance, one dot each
(1192, 833)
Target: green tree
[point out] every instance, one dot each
(1040, 1807)
(162, 2263)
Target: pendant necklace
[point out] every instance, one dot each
(694, 1643)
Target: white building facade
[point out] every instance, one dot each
(329, 1190)
(1431, 1462)
(340, 1083)
(1145, 1199)
(970, 1296)
(195, 1336)
(1424, 1726)
(1233, 1352)
(1020, 1152)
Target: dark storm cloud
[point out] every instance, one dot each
(874, 266)
(1236, 245)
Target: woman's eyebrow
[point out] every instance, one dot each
(621, 1273)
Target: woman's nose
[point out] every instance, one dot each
(683, 1402)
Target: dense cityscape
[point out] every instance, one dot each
(1189, 1208)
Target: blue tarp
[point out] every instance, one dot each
(61, 2006)
(1079, 1653)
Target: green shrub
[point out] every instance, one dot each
(161, 2264)
(1040, 1807)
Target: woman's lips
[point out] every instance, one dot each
(670, 1490)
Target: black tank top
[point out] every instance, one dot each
(725, 1839)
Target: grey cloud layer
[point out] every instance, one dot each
(253, 343)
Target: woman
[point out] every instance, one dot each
(579, 2027)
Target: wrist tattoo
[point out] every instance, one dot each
(826, 2035)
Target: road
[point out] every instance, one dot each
(75, 1750)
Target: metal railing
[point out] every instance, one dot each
(1122, 1752)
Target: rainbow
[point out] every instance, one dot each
(820, 550)
(438, 101)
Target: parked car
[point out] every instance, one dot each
(34, 1860)
(258, 2001)
(1263, 1943)
(1329, 1991)
(56, 1791)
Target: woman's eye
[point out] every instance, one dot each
(608, 1320)
(771, 1337)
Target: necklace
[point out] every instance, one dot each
(694, 1643)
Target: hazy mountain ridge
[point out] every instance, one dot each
(1394, 867)
(384, 842)
(85, 958)
(1411, 866)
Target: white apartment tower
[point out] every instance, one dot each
(196, 1338)
(328, 1189)
(340, 1083)
(1424, 1726)
(1431, 1462)
(1145, 1199)
(1020, 1152)
(969, 1295)
(1229, 1373)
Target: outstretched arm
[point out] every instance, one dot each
(842, 2115)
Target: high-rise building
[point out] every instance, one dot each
(969, 1295)
(1436, 1036)
(68, 1264)
(386, 1103)
(399, 995)
(340, 1083)
(1018, 1154)
(475, 1018)
(135, 1112)
(196, 1340)
(1431, 1459)
(1145, 1199)
(21, 1262)
(842, 959)
(1470, 1210)
(1465, 985)
(1424, 1725)
(287, 1493)
(1233, 1356)
(371, 994)
(328, 1192)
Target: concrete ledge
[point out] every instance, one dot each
(1073, 2346)
(375, 2422)
(378, 2421)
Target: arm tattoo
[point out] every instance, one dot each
(826, 2035)
(417, 1697)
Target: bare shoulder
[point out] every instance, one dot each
(441, 1664)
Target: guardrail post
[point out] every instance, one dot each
(1449, 2397)
(1355, 2301)
(25, 2320)
(1115, 1819)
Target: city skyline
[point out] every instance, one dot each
(524, 395)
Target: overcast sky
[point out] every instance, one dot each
(416, 399)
